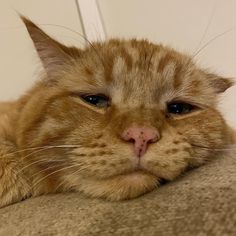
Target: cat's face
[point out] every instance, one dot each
(136, 112)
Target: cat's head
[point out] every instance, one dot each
(131, 112)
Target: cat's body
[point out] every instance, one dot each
(110, 121)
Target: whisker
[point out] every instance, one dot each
(38, 161)
(212, 40)
(73, 31)
(207, 26)
(69, 29)
(75, 172)
(214, 149)
(50, 167)
(42, 147)
(55, 25)
(65, 168)
(32, 153)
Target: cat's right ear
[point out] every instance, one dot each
(53, 54)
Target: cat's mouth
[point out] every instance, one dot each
(140, 171)
(140, 168)
(137, 173)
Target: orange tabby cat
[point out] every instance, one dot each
(111, 120)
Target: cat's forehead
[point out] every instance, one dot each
(139, 56)
(137, 72)
(133, 68)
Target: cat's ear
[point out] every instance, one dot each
(220, 84)
(53, 54)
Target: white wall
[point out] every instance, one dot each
(181, 24)
(18, 62)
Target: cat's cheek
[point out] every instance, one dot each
(200, 156)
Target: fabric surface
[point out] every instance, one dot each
(203, 202)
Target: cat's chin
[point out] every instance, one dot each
(121, 187)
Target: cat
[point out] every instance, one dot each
(111, 120)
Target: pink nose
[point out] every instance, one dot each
(141, 136)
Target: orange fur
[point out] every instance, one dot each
(53, 141)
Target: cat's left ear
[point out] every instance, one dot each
(220, 84)
(53, 54)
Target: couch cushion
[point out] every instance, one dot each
(203, 202)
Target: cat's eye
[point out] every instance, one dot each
(98, 100)
(180, 108)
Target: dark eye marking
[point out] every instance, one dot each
(98, 100)
(180, 108)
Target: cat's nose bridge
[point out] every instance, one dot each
(141, 138)
(144, 116)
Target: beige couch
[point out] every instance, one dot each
(203, 202)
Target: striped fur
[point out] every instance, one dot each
(82, 149)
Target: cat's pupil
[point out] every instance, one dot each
(179, 108)
(97, 100)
